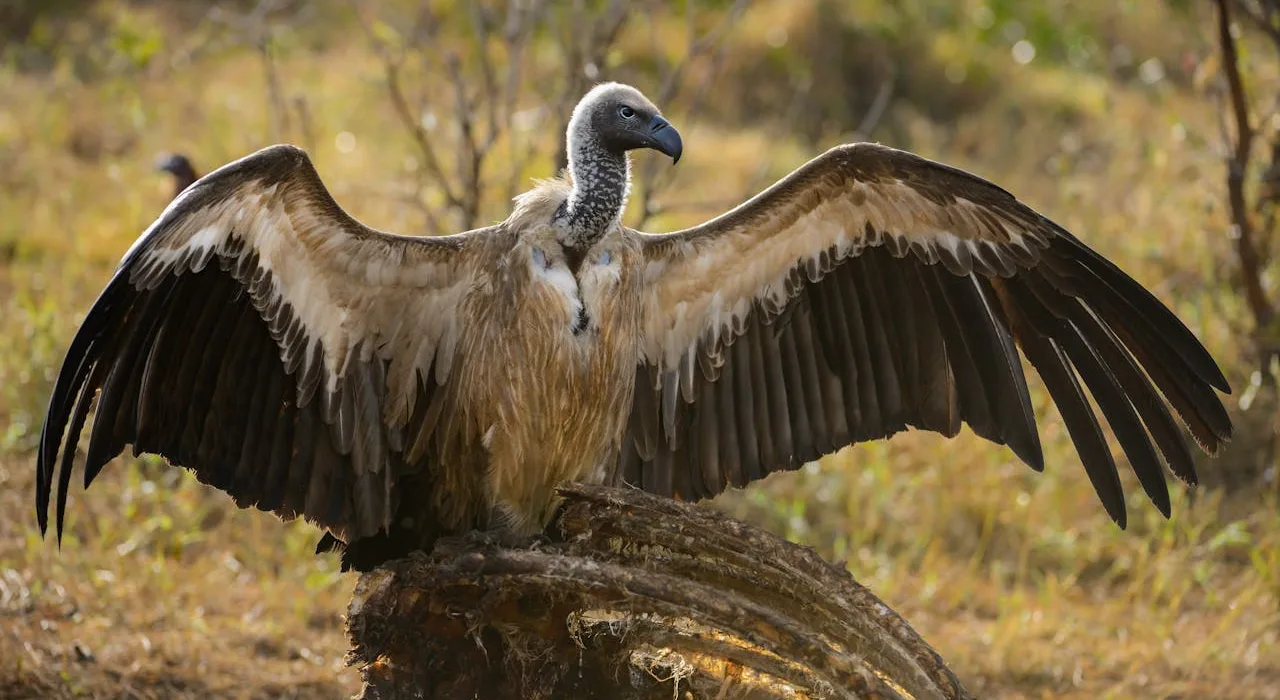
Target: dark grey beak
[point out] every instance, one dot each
(664, 138)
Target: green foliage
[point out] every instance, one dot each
(34, 328)
(1056, 33)
(137, 42)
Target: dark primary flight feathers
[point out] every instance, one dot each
(389, 388)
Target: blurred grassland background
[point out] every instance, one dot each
(1107, 116)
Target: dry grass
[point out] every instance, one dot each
(163, 589)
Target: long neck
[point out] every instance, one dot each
(601, 180)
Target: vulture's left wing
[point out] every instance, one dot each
(873, 290)
(261, 337)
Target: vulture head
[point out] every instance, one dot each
(618, 118)
(179, 166)
(609, 121)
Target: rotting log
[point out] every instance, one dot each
(630, 595)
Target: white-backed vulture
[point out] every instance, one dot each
(180, 167)
(391, 388)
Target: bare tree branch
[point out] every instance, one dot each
(483, 73)
(410, 118)
(482, 98)
(876, 111)
(587, 45)
(521, 19)
(470, 153)
(698, 46)
(1237, 166)
(258, 27)
(1264, 15)
(306, 125)
(481, 25)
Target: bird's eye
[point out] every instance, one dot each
(626, 112)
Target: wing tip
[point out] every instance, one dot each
(1156, 486)
(1189, 477)
(1181, 339)
(1112, 496)
(1032, 455)
(58, 531)
(42, 520)
(1119, 515)
(46, 463)
(1216, 440)
(1219, 380)
(1164, 506)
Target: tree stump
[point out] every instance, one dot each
(630, 595)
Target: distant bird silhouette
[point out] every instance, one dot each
(179, 166)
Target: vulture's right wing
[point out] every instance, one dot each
(873, 290)
(261, 337)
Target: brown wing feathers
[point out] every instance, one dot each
(844, 365)
(189, 370)
(906, 333)
(195, 353)
(1159, 341)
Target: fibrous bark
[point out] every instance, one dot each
(631, 595)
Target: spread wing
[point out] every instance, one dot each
(261, 337)
(873, 290)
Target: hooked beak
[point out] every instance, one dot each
(664, 138)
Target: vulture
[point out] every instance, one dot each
(180, 167)
(392, 389)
